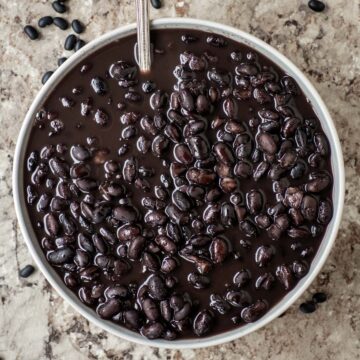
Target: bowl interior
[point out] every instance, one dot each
(336, 164)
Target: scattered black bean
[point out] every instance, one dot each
(61, 23)
(46, 77)
(45, 21)
(316, 5)
(31, 32)
(77, 26)
(70, 42)
(308, 307)
(319, 297)
(156, 4)
(79, 44)
(26, 271)
(59, 7)
(61, 60)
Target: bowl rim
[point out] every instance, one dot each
(336, 163)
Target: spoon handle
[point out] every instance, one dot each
(143, 35)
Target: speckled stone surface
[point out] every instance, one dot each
(35, 323)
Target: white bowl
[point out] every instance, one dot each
(336, 164)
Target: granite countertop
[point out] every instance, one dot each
(35, 323)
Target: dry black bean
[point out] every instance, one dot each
(26, 271)
(316, 5)
(70, 42)
(31, 32)
(308, 307)
(61, 23)
(46, 77)
(45, 21)
(77, 26)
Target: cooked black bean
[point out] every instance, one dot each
(254, 311)
(219, 250)
(325, 212)
(152, 330)
(157, 288)
(61, 256)
(241, 278)
(203, 323)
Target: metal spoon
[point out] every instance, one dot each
(143, 45)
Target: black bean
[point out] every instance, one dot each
(61, 23)
(284, 275)
(308, 307)
(319, 297)
(130, 170)
(299, 268)
(254, 201)
(247, 227)
(99, 86)
(260, 170)
(157, 289)
(70, 42)
(125, 213)
(152, 330)
(254, 311)
(77, 26)
(325, 212)
(316, 5)
(150, 309)
(31, 32)
(79, 44)
(203, 323)
(61, 60)
(156, 4)
(223, 153)
(46, 77)
(198, 281)
(132, 319)
(108, 309)
(45, 21)
(219, 304)
(159, 145)
(32, 195)
(263, 255)
(61, 256)
(158, 99)
(309, 207)
(241, 278)
(265, 281)
(219, 250)
(59, 7)
(318, 181)
(216, 41)
(148, 87)
(26, 271)
(211, 213)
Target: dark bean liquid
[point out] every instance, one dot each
(185, 202)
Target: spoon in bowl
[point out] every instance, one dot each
(143, 47)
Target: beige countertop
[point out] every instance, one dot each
(35, 323)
